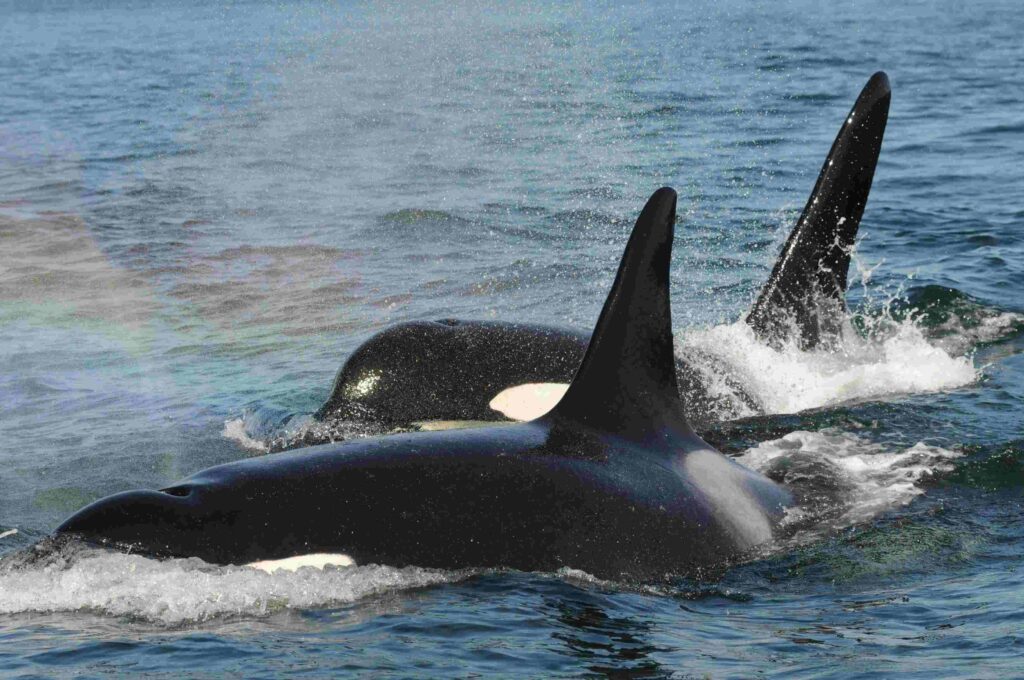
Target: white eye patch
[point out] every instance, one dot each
(529, 401)
(317, 560)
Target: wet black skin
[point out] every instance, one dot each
(451, 369)
(806, 292)
(530, 496)
(406, 373)
(613, 481)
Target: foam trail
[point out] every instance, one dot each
(176, 592)
(856, 478)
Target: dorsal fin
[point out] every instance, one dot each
(627, 380)
(808, 284)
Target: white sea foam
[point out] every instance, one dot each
(992, 327)
(176, 592)
(957, 337)
(873, 477)
(758, 379)
(237, 430)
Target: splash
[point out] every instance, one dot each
(178, 592)
(752, 378)
(263, 430)
(236, 430)
(953, 320)
(740, 375)
(841, 479)
(902, 339)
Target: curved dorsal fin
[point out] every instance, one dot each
(808, 284)
(627, 381)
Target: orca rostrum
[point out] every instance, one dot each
(612, 480)
(458, 370)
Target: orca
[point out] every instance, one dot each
(456, 373)
(612, 481)
(454, 370)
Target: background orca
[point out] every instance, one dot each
(612, 481)
(454, 370)
(805, 296)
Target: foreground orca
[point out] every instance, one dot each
(454, 370)
(612, 481)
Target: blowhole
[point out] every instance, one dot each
(179, 491)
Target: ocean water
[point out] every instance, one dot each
(204, 207)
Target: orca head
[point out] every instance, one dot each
(625, 387)
(388, 375)
(150, 522)
(613, 466)
(198, 517)
(452, 370)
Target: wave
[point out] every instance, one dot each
(954, 320)
(416, 216)
(991, 468)
(1001, 128)
(264, 430)
(909, 340)
(66, 576)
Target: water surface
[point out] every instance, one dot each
(204, 207)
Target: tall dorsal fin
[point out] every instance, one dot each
(627, 381)
(808, 284)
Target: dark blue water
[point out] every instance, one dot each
(205, 206)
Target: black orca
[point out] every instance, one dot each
(612, 481)
(450, 370)
(806, 292)
(454, 370)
